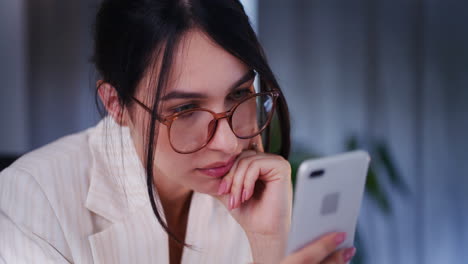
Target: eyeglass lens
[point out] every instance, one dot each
(192, 130)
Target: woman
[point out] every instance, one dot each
(176, 172)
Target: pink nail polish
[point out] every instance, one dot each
(246, 195)
(228, 185)
(339, 238)
(237, 201)
(349, 253)
(231, 202)
(222, 188)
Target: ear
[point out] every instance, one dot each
(110, 99)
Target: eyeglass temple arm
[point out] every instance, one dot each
(147, 109)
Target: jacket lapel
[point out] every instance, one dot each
(137, 238)
(215, 236)
(118, 193)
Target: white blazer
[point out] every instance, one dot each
(83, 199)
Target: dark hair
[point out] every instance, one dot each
(131, 35)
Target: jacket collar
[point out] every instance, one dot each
(117, 177)
(117, 192)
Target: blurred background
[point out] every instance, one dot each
(389, 76)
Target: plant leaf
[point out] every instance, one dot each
(374, 190)
(387, 163)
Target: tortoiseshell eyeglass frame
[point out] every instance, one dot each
(168, 120)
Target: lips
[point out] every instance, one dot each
(218, 169)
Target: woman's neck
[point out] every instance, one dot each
(175, 200)
(176, 207)
(176, 204)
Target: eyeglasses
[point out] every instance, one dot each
(191, 130)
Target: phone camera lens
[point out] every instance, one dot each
(316, 173)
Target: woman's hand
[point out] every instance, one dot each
(258, 193)
(322, 251)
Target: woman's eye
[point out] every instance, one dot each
(241, 93)
(183, 108)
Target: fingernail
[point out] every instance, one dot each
(222, 187)
(231, 202)
(349, 253)
(226, 189)
(244, 196)
(340, 238)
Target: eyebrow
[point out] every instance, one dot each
(250, 75)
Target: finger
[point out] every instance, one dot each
(253, 172)
(226, 182)
(320, 249)
(248, 170)
(348, 254)
(238, 178)
(266, 167)
(335, 258)
(341, 256)
(255, 145)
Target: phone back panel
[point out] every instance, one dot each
(328, 197)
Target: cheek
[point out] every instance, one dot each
(163, 145)
(167, 160)
(178, 167)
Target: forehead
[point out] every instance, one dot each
(200, 65)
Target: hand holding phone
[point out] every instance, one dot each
(327, 198)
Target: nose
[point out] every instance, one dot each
(224, 139)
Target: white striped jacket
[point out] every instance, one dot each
(83, 199)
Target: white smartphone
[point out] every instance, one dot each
(327, 198)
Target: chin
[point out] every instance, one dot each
(208, 187)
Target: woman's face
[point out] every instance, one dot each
(206, 74)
